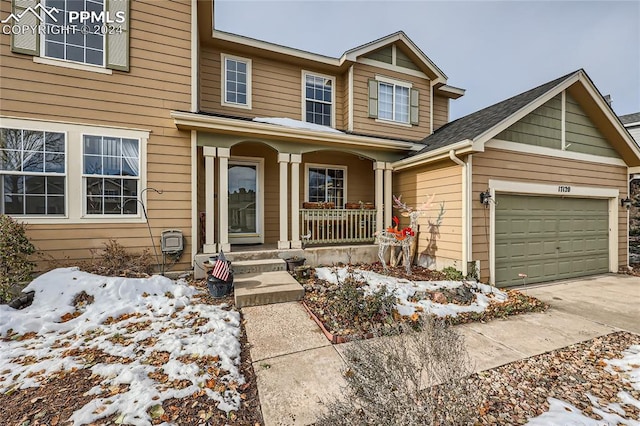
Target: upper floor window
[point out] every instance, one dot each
(318, 99)
(111, 175)
(236, 81)
(65, 40)
(32, 172)
(393, 100)
(89, 35)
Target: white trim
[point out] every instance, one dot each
(73, 65)
(189, 121)
(468, 221)
(563, 120)
(552, 152)
(451, 91)
(258, 237)
(528, 188)
(223, 81)
(304, 94)
(395, 82)
(295, 160)
(195, 57)
(465, 203)
(195, 215)
(437, 154)
(223, 198)
(379, 167)
(74, 171)
(430, 107)
(388, 192)
(326, 166)
(350, 101)
(283, 181)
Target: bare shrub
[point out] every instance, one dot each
(418, 378)
(115, 260)
(15, 251)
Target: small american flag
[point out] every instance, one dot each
(221, 268)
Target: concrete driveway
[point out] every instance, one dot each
(298, 369)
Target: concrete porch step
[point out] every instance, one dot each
(257, 266)
(266, 288)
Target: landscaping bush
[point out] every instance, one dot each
(115, 260)
(15, 249)
(452, 274)
(417, 378)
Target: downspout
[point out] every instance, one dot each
(465, 259)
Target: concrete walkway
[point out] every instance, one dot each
(298, 369)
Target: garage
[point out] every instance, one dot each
(549, 238)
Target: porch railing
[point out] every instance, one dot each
(331, 226)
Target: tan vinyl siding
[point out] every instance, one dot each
(440, 111)
(360, 174)
(276, 88)
(582, 134)
(158, 82)
(369, 126)
(542, 127)
(384, 54)
(416, 186)
(530, 168)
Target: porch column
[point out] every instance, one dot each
(388, 196)
(223, 198)
(283, 242)
(296, 159)
(210, 245)
(379, 166)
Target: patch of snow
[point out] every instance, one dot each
(405, 289)
(563, 413)
(296, 124)
(159, 317)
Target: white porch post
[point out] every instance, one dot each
(223, 198)
(388, 196)
(378, 166)
(283, 242)
(296, 159)
(210, 245)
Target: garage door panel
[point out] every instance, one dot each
(549, 238)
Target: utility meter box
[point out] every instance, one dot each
(172, 241)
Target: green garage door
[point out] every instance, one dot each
(549, 238)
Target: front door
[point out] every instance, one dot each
(245, 201)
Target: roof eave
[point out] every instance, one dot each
(191, 121)
(462, 147)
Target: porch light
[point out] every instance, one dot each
(485, 197)
(626, 202)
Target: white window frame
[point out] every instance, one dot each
(406, 84)
(66, 63)
(223, 89)
(74, 185)
(28, 217)
(304, 95)
(86, 176)
(342, 167)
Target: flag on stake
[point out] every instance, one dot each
(221, 268)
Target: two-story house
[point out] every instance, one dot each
(263, 146)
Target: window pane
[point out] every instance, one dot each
(94, 186)
(33, 140)
(10, 160)
(130, 206)
(111, 146)
(94, 205)
(113, 188)
(33, 161)
(54, 142)
(13, 184)
(111, 166)
(55, 185)
(54, 50)
(55, 205)
(92, 165)
(54, 163)
(74, 53)
(129, 187)
(35, 184)
(92, 145)
(35, 204)
(11, 139)
(13, 204)
(231, 65)
(95, 57)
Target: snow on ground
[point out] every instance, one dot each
(296, 124)
(565, 414)
(406, 289)
(149, 326)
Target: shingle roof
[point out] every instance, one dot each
(630, 118)
(474, 124)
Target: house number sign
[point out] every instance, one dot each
(564, 188)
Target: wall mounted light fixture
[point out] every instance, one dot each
(625, 202)
(485, 197)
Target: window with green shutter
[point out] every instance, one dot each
(89, 32)
(393, 100)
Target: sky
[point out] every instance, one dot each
(493, 49)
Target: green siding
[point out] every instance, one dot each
(549, 238)
(542, 127)
(582, 134)
(383, 55)
(403, 60)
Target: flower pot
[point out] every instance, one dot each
(352, 206)
(294, 262)
(219, 288)
(317, 205)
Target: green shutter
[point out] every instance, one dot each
(373, 98)
(117, 42)
(415, 106)
(27, 42)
